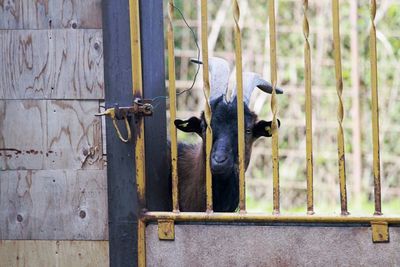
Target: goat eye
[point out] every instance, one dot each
(248, 131)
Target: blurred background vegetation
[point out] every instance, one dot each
(355, 25)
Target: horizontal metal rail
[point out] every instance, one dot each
(257, 217)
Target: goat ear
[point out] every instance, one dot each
(263, 128)
(192, 125)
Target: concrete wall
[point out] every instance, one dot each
(255, 245)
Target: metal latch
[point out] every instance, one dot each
(380, 232)
(166, 230)
(140, 107)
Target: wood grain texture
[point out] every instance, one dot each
(51, 134)
(47, 14)
(53, 205)
(51, 64)
(54, 253)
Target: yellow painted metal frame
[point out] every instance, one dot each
(207, 108)
(240, 107)
(379, 223)
(136, 59)
(375, 113)
(340, 112)
(172, 107)
(309, 146)
(274, 108)
(262, 218)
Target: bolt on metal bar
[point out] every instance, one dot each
(240, 107)
(274, 108)
(136, 61)
(309, 146)
(340, 113)
(375, 112)
(207, 109)
(172, 106)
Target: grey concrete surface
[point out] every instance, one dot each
(260, 245)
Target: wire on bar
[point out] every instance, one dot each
(340, 113)
(136, 59)
(172, 98)
(207, 109)
(375, 112)
(274, 108)
(309, 146)
(240, 107)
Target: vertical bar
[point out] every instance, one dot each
(207, 108)
(172, 102)
(136, 60)
(309, 146)
(122, 199)
(355, 83)
(240, 107)
(339, 88)
(274, 108)
(153, 79)
(375, 112)
(141, 243)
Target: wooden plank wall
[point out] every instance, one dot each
(53, 184)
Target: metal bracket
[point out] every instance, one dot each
(166, 230)
(380, 232)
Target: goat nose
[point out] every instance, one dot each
(219, 158)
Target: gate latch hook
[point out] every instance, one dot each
(140, 107)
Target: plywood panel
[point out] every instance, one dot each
(54, 253)
(70, 205)
(51, 64)
(261, 245)
(54, 134)
(23, 134)
(47, 14)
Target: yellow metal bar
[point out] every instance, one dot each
(339, 88)
(240, 107)
(274, 108)
(136, 61)
(141, 243)
(137, 92)
(207, 109)
(172, 107)
(309, 146)
(375, 113)
(254, 217)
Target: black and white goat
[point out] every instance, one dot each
(224, 155)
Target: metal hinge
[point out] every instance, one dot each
(380, 232)
(166, 230)
(140, 107)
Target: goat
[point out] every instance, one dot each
(224, 154)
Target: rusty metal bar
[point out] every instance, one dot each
(256, 217)
(207, 108)
(309, 146)
(340, 113)
(172, 107)
(274, 108)
(136, 61)
(240, 107)
(375, 112)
